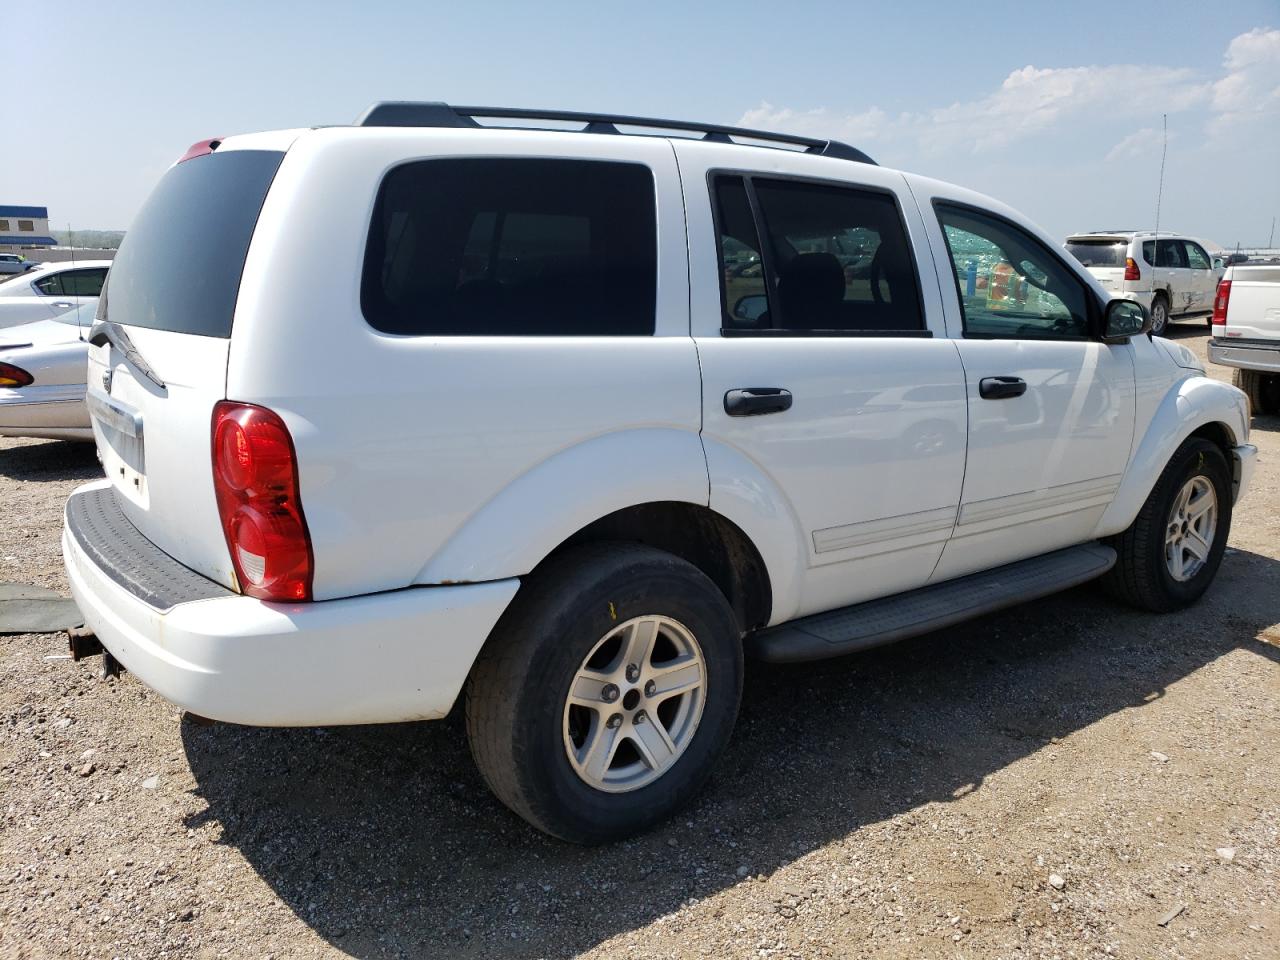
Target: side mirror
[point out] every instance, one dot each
(1124, 319)
(749, 309)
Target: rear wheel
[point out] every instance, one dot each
(1171, 553)
(606, 693)
(1263, 389)
(1159, 314)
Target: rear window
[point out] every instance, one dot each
(525, 247)
(1099, 253)
(179, 266)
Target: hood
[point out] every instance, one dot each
(41, 333)
(1180, 355)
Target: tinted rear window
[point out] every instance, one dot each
(513, 247)
(180, 263)
(1099, 253)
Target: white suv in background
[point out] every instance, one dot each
(569, 422)
(1173, 276)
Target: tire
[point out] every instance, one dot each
(1159, 314)
(1144, 575)
(1263, 389)
(572, 609)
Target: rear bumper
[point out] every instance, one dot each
(381, 658)
(1246, 355)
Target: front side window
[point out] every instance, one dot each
(515, 247)
(1197, 259)
(1010, 285)
(836, 259)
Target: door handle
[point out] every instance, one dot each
(65, 304)
(754, 401)
(1001, 388)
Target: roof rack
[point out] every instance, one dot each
(403, 113)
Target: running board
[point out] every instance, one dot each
(939, 605)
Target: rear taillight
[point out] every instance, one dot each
(255, 477)
(1131, 271)
(11, 376)
(1220, 302)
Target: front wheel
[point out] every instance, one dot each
(1171, 553)
(607, 691)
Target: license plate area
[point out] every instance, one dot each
(121, 446)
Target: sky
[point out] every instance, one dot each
(1054, 108)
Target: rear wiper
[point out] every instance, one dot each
(105, 331)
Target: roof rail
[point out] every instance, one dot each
(404, 113)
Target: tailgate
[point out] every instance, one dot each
(158, 350)
(1253, 310)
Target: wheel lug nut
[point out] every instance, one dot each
(633, 673)
(610, 692)
(640, 717)
(649, 688)
(614, 721)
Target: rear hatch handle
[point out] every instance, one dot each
(106, 331)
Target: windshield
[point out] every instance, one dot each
(1099, 253)
(179, 266)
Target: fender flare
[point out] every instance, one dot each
(515, 530)
(743, 493)
(1190, 404)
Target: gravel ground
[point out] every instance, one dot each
(1068, 779)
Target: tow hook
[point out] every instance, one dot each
(84, 643)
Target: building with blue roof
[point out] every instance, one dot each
(24, 227)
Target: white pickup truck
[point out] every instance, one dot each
(1246, 332)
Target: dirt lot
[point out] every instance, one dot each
(1054, 781)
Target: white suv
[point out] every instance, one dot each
(578, 420)
(1173, 276)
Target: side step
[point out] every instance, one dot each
(939, 605)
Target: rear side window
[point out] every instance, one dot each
(179, 266)
(517, 247)
(834, 259)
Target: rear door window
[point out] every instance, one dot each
(180, 263)
(83, 283)
(515, 247)
(834, 259)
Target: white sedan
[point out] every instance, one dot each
(50, 290)
(42, 377)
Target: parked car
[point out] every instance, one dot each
(467, 407)
(16, 263)
(1246, 332)
(53, 289)
(42, 377)
(1173, 276)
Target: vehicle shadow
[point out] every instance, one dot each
(385, 841)
(1186, 329)
(50, 460)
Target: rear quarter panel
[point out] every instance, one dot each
(434, 459)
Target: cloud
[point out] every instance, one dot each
(1145, 140)
(1251, 86)
(1034, 100)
